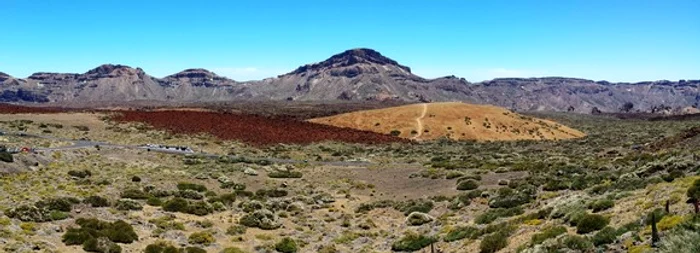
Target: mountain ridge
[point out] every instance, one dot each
(358, 74)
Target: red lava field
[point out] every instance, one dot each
(14, 109)
(251, 129)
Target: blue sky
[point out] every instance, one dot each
(616, 40)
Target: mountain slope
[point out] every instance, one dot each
(353, 75)
(357, 74)
(453, 120)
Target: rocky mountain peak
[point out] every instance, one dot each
(350, 58)
(112, 70)
(195, 73)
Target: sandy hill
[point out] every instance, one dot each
(453, 120)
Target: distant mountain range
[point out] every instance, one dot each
(353, 75)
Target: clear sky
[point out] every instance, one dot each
(616, 40)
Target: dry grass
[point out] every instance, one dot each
(454, 120)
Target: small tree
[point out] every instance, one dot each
(694, 195)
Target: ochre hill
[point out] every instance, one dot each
(454, 120)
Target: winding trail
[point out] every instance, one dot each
(419, 121)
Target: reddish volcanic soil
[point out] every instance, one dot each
(252, 129)
(14, 109)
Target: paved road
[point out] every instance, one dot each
(82, 144)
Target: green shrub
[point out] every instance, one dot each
(199, 208)
(555, 185)
(414, 205)
(191, 186)
(128, 205)
(467, 185)
(154, 201)
(194, 250)
(134, 194)
(226, 199)
(80, 173)
(576, 242)
(395, 133)
(412, 241)
(29, 213)
(6, 157)
(547, 233)
(176, 205)
(605, 236)
(232, 250)
(102, 245)
(64, 204)
(285, 174)
(509, 198)
(236, 230)
(601, 205)
(459, 233)
(591, 222)
(58, 215)
(263, 219)
(286, 245)
(189, 194)
(135, 179)
(96, 201)
(93, 229)
(493, 243)
(271, 193)
(453, 174)
(203, 237)
(493, 214)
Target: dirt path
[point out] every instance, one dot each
(419, 121)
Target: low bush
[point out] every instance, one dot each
(176, 205)
(134, 194)
(80, 173)
(6, 157)
(459, 233)
(64, 204)
(203, 238)
(232, 250)
(467, 185)
(579, 243)
(285, 174)
(412, 241)
(493, 243)
(547, 233)
(414, 205)
(601, 205)
(226, 199)
(94, 229)
(191, 186)
(591, 222)
(493, 214)
(605, 236)
(286, 245)
(96, 201)
(128, 205)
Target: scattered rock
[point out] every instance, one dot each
(250, 171)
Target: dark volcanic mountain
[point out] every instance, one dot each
(353, 75)
(358, 74)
